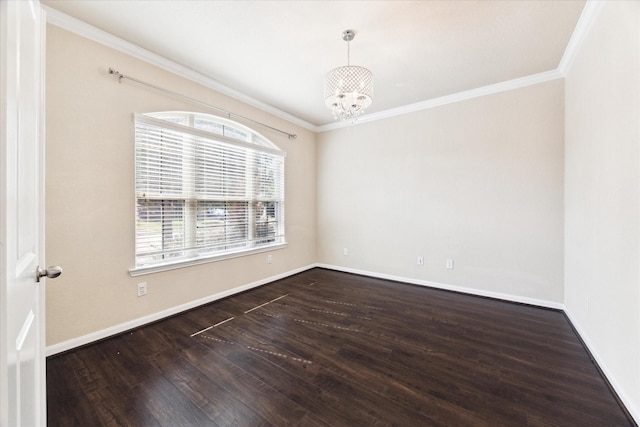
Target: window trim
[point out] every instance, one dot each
(150, 269)
(261, 144)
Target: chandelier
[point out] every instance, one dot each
(348, 89)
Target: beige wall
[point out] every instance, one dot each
(534, 193)
(602, 195)
(479, 182)
(90, 200)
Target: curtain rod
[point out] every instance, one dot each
(121, 76)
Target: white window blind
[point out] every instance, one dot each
(205, 187)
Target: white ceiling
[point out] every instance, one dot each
(277, 52)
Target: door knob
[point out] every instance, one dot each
(51, 272)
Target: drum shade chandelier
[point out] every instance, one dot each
(348, 90)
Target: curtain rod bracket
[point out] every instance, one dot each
(116, 73)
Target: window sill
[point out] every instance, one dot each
(140, 271)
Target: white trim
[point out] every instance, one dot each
(453, 98)
(628, 403)
(141, 321)
(587, 18)
(123, 327)
(66, 22)
(444, 286)
(140, 271)
(585, 22)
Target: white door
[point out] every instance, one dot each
(22, 344)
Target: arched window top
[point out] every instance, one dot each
(207, 188)
(215, 125)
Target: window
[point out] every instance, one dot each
(206, 188)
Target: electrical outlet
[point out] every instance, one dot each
(142, 289)
(269, 259)
(420, 260)
(449, 264)
(345, 251)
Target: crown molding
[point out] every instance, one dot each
(588, 16)
(66, 22)
(450, 99)
(585, 22)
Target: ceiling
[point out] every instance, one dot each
(277, 52)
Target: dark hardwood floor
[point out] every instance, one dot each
(324, 348)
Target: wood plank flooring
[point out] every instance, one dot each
(324, 348)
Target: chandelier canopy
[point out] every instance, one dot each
(348, 90)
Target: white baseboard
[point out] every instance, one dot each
(462, 289)
(633, 411)
(123, 327)
(141, 321)
(118, 329)
(628, 403)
